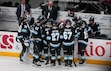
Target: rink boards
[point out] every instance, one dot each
(98, 51)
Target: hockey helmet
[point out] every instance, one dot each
(55, 24)
(80, 18)
(68, 21)
(74, 18)
(79, 23)
(41, 18)
(82, 24)
(50, 21)
(91, 19)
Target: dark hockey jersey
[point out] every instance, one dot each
(45, 33)
(55, 40)
(82, 30)
(83, 34)
(24, 30)
(36, 32)
(68, 36)
(95, 30)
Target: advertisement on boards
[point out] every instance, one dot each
(97, 49)
(8, 42)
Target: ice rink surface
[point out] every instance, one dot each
(13, 64)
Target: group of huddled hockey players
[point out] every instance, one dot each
(51, 36)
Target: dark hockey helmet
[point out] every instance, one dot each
(80, 18)
(68, 22)
(82, 24)
(41, 18)
(91, 19)
(74, 18)
(55, 24)
(50, 21)
(79, 23)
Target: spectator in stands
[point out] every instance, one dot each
(9, 4)
(16, 4)
(69, 6)
(20, 10)
(50, 11)
(4, 4)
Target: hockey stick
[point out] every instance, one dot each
(73, 60)
(73, 57)
(78, 50)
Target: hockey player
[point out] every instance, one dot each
(95, 28)
(27, 19)
(75, 20)
(68, 42)
(27, 16)
(55, 44)
(23, 37)
(36, 36)
(82, 39)
(45, 33)
(42, 21)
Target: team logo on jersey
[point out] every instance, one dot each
(6, 41)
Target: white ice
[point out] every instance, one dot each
(13, 64)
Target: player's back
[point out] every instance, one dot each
(55, 35)
(68, 34)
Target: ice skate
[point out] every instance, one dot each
(59, 63)
(66, 64)
(41, 60)
(70, 65)
(37, 64)
(33, 62)
(47, 62)
(21, 60)
(82, 61)
(53, 64)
